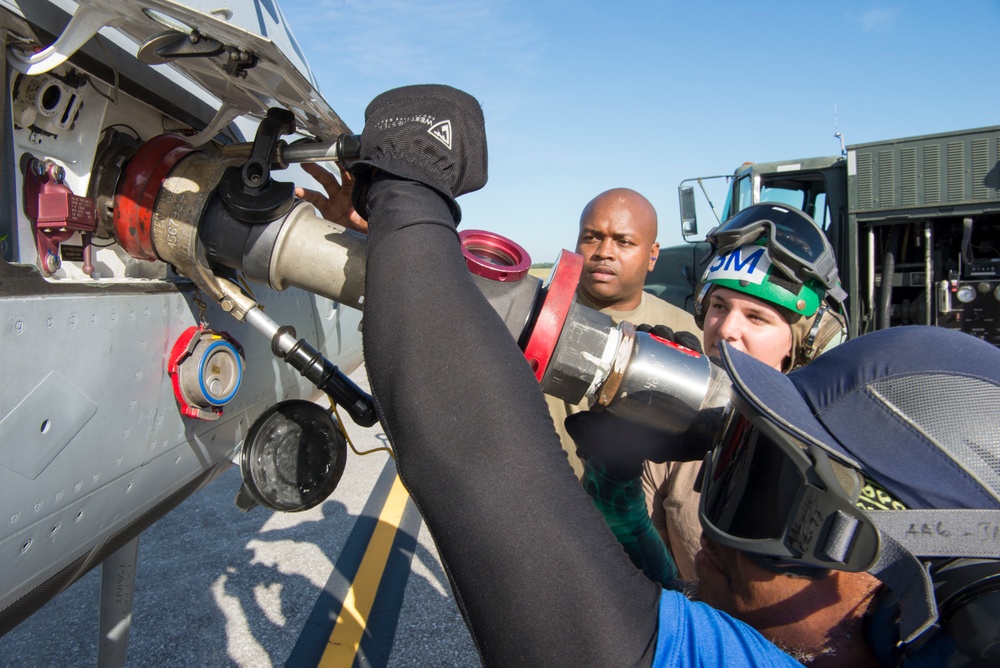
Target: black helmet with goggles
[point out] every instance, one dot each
(796, 246)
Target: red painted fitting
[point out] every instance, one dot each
(136, 196)
(559, 298)
(494, 257)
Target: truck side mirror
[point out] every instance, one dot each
(689, 217)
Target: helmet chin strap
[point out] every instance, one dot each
(809, 345)
(904, 574)
(825, 326)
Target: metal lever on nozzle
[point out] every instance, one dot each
(344, 149)
(248, 191)
(320, 371)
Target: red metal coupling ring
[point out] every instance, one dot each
(136, 196)
(559, 298)
(493, 256)
(206, 371)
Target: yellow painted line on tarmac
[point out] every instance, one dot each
(345, 639)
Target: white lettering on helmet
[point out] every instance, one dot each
(746, 263)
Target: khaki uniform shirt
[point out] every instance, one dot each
(673, 508)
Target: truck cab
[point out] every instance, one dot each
(815, 185)
(914, 222)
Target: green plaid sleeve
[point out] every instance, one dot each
(623, 505)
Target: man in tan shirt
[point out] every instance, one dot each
(617, 240)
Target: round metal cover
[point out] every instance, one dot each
(293, 456)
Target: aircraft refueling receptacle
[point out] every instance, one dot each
(128, 385)
(206, 214)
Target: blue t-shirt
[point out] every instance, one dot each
(695, 634)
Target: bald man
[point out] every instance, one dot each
(618, 243)
(617, 240)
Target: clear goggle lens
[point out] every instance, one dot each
(795, 244)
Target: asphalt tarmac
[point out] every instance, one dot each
(218, 587)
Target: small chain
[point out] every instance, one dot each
(202, 308)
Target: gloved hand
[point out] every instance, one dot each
(621, 446)
(687, 339)
(428, 133)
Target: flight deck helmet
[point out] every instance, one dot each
(777, 254)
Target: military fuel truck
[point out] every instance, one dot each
(915, 223)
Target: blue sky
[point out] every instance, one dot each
(584, 96)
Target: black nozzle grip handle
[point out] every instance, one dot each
(342, 390)
(348, 147)
(325, 375)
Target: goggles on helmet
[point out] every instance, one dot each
(796, 245)
(765, 492)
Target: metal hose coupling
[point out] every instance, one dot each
(660, 383)
(635, 375)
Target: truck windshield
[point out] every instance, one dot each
(806, 193)
(808, 198)
(743, 191)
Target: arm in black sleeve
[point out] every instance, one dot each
(538, 576)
